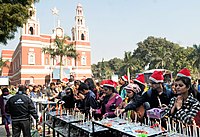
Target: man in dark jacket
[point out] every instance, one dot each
(21, 108)
(88, 99)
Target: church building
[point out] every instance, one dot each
(28, 64)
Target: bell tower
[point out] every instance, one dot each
(80, 31)
(32, 27)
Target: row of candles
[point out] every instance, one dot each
(173, 126)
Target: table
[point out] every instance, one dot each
(126, 128)
(86, 127)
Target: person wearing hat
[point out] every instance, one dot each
(156, 96)
(132, 91)
(6, 119)
(111, 100)
(186, 73)
(140, 81)
(183, 107)
(123, 81)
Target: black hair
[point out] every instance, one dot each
(5, 91)
(111, 88)
(22, 88)
(83, 86)
(90, 83)
(185, 80)
(188, 84)
(77, 82)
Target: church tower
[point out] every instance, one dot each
(80, 31)
(80, 37)
(32, 27)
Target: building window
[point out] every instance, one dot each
(46, 61)
(31, 58)
(83, 60)
(31, 30)
(82, 37)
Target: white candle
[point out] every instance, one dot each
(195, 129)
(160, 125)
(179, 126)
(169, 124)
(190, 132)
(135, 117)
(83, 118)
(117, 112)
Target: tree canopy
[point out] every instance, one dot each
(13, 14)
(154, 53)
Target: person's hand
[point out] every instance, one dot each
(164, 106)
(178, 103)
(81, 96)
(105, 115)
(76, 109)
(119, 112)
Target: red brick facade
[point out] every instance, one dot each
(30, 65)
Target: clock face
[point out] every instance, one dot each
(59, 32)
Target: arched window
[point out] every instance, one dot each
(31, 13)
(82, 37)
(31, 30)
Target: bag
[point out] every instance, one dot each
(140, 111)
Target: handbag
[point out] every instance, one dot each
(140, 112)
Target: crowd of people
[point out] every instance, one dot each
(98, 100)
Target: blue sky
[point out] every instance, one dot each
(116, 26)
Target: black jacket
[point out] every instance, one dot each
(152, 99)
(20, 107)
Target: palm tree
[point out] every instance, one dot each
(3, 64)
(61, 50)
(195, 57)
(161, 59)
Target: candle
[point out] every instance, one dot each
(179, 126)
(117, 112)
(88, 117)
(160, 125)
(169, 123)
(135, 117)
(167, 126)
(61, 110)
(83, 118)
(195, 129)
(56, 109)
(190, 132)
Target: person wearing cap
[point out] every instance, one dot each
(186, 73)
(157, 96)
(21, 108)
(183, 107)
(123, 81)
(6, 119)
(140, 81)
(111, 100)
(132, 91)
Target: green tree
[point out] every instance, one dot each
(61, 50)
(13, 14)
(194, 56)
